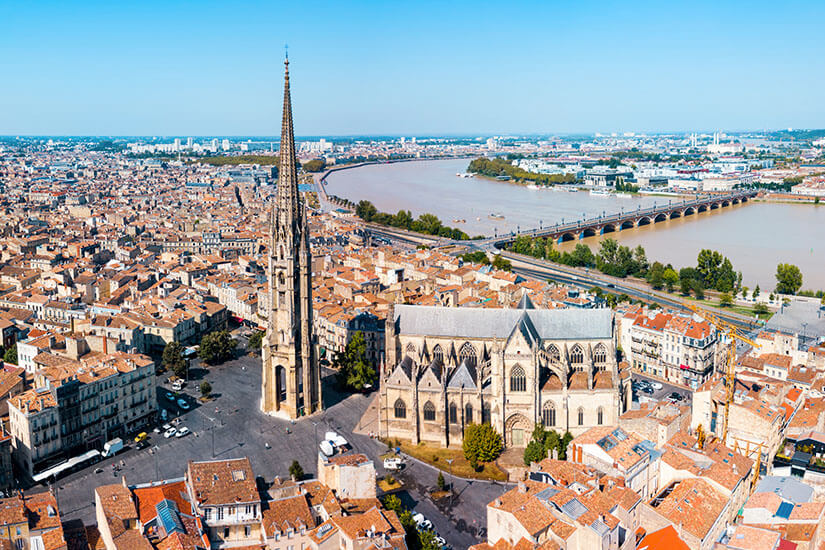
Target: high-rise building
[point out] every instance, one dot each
(225, 145)
(291, 384)
(189, 143)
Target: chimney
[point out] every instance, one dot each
(105, 345)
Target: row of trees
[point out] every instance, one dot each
(428, 224)
(501, 167)
(480, 257)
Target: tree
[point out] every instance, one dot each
(314, 165)
(756, 292)
(366, 210)
(440, 483)
(788, 279)
(426, 540)
(11, 355)
(565, 441)
(256, 340)
(173, 360)
(655, 275)
(206, 388)
(502, 263)
(760, 309)
(216, 347)
(533, 452)
(699, 290)
(296, 471)
(354, 370)
(481, 443)
(670, 278)
(685, 286)
(726, 300)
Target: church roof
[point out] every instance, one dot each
(463, 377)
(525, 302)
(549, 324)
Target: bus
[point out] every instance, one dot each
(72, 465)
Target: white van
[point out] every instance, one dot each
(393, 463)
(327, 448)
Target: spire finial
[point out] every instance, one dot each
(286, 54)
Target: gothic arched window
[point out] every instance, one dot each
(553, 353)
(467, 354)
(429, 411)
(486, 414)
(400, 409)
(581, 416)
(600, 416)
(468, 413)
(438, 353)
(518, 380)
(600, 354)
(576, 355)
(548, 415)
(453, 414)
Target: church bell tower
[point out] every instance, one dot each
(291, 376)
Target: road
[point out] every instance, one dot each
(231, 426)
(660, 394)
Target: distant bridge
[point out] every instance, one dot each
(600, 225)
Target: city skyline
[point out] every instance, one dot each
(373, 70)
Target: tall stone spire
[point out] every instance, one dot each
(291, 382)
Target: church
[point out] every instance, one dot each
(513, 368)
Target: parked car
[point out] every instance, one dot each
(656, 386)
(142, 436)
(677, 396)
(184, 431)
(183, 404)
(422, 522)
(169, 433)
(393, 463)
(178, 384)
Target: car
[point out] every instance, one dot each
(657, 386)
(648, 390)
(677, 396)
(178, 384)
(184, 431)
(156, 429)
(422, 522)
(183, 404)
(143, 444)
(170, 432)
(393, 463)
(142, 436)
(166, 427)
(440, 541)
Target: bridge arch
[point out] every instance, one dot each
(608, 228)
(714, 205)
(725, 203)
(660, 218)
(736, 200)
(564, 237)
(644, 220)
(627, 224)
(587, 232)
(676, 214)
(702, 208)
(744, 199)
(688, 211)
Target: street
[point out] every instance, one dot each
(660, 394)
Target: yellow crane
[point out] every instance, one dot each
(734, 335)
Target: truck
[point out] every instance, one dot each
(111, 448)
(327, 448)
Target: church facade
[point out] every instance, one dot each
(291, 380)
(513, 368)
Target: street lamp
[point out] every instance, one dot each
(452, 479)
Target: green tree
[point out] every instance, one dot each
(206, 388)
(426, 540)
(684, 286)
(726, 299)
(760, 309)
(756, 292)
(583, 256)
(314, 165)
(256, 340)
(440, 483)
(481, 443)
(354, 370)
(699, 290)
(173, 360)
(656, 275)
(670, 278)
(216, 347)
(563, 443)
(11, 355)
(296, 471)
(788, 279)
(502, 263)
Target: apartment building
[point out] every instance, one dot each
(224, 494)
(679, 349)
(31, 522)
(78, 405)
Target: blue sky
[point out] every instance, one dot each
(215, 68)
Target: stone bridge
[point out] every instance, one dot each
(600, 225)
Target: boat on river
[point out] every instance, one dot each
(494, 216)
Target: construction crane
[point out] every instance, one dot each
(734, 335)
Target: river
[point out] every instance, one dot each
(755, 236)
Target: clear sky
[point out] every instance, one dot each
(215, 68)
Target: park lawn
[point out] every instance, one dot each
(742, 310)
(437, 456)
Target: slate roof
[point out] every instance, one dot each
(549, 324)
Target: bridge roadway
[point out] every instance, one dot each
(600, 225)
